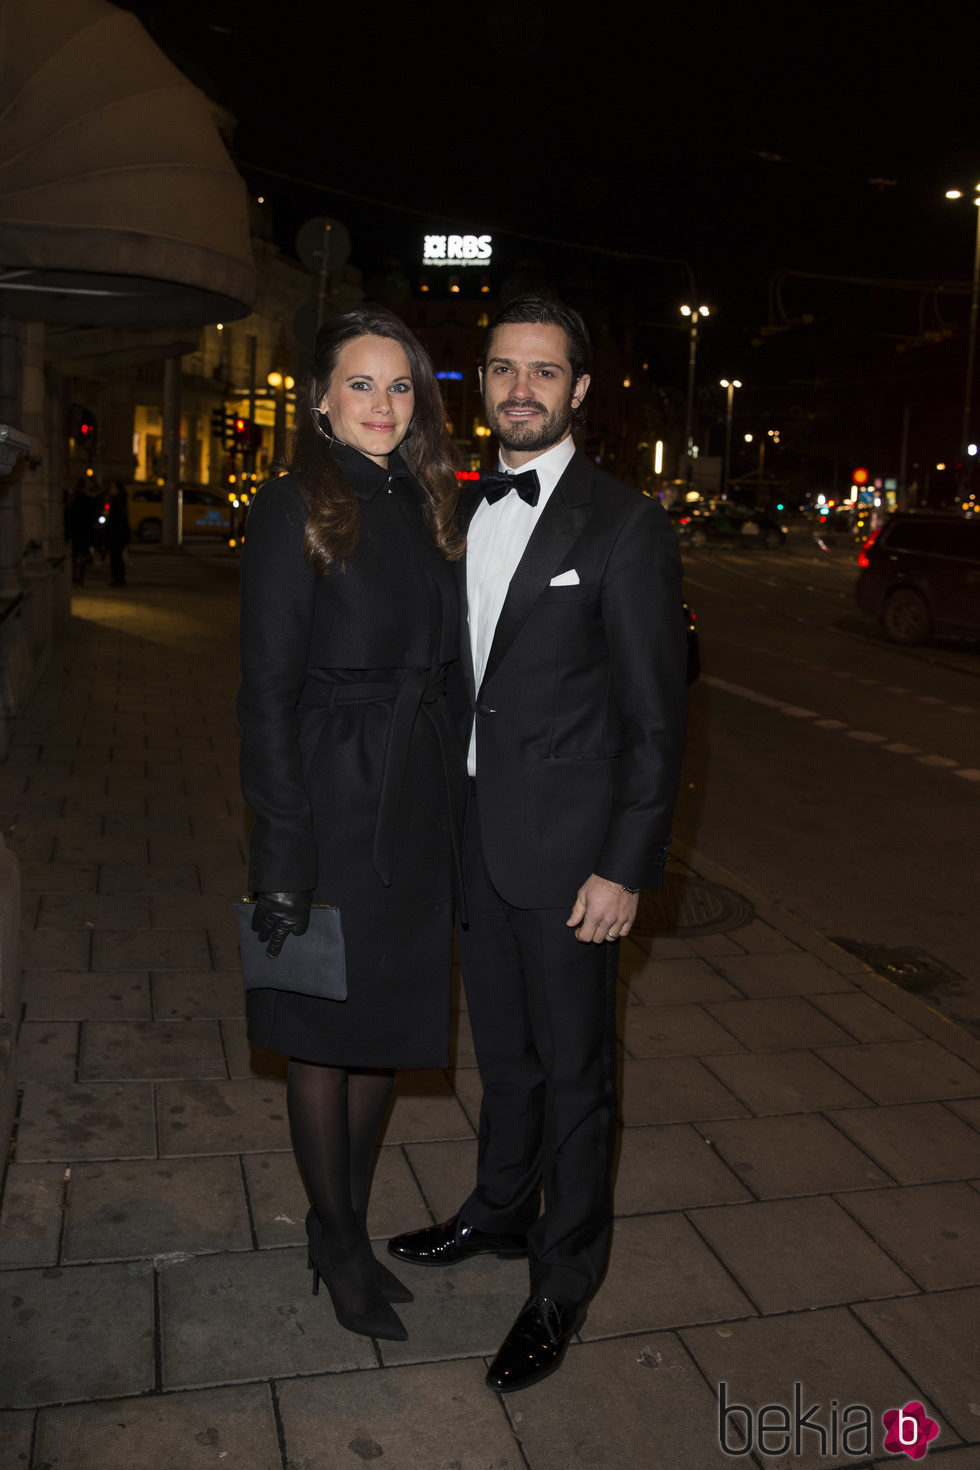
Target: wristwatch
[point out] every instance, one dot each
(623, 889)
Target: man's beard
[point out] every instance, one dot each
(531, 435)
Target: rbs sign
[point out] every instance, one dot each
(456, 250)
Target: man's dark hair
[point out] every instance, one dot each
(548, 314)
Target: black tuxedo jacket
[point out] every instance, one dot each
(581, 713)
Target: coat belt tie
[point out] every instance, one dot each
(416, 692)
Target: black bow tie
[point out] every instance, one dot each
(496, 484)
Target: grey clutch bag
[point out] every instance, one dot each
(310, 964)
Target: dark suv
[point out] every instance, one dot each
(920, 574)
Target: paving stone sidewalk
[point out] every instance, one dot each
(798, 1196)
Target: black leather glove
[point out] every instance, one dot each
(278, 915)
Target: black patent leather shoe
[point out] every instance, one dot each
(536, 1344)
(444, 1245)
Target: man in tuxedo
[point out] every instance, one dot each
(576, 663)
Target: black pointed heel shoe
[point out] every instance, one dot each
(380, 1320)
(389, 1285)
(392, 1289)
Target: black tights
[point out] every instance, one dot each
(335, 1115)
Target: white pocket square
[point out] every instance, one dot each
(565, 579)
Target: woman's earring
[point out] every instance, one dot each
(322, 423)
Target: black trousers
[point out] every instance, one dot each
(543, 1011)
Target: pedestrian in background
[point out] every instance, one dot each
(352, 765)
(117, 533)
(80, 513)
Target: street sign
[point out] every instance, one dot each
(311, 238)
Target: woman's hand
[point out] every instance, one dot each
(278, 915)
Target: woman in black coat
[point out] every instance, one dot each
(352, 766)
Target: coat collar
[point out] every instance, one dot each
(364, 475)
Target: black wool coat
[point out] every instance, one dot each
(351, 764)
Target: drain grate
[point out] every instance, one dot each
(912, 969)
(691, 906)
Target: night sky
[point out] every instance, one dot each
(752, 142)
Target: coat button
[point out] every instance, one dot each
(484, 709)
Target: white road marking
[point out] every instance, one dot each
(743, 693)
(867, 737)
(899, 689)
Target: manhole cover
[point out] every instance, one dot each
(912, 969)
(691, 906)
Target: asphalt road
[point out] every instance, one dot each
(833, 771)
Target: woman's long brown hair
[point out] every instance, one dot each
(334, 520)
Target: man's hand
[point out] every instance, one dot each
(602, 911)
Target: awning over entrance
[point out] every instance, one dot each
(119, 205)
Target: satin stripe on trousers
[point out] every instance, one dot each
(542, 1007)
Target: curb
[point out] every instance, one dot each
(933, 1023)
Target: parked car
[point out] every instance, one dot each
(204, 513)
(769, 529)
(920, 575)
(705, 522)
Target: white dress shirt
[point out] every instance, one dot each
(495, 542)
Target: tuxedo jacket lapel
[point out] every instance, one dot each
(560, 526)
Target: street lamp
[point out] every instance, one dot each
(695, 313)
(730, 385)
(281, 384)
(971, 347)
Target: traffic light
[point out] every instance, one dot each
(83, 428)
(223, 427)
(238, 434)
(248, 436)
